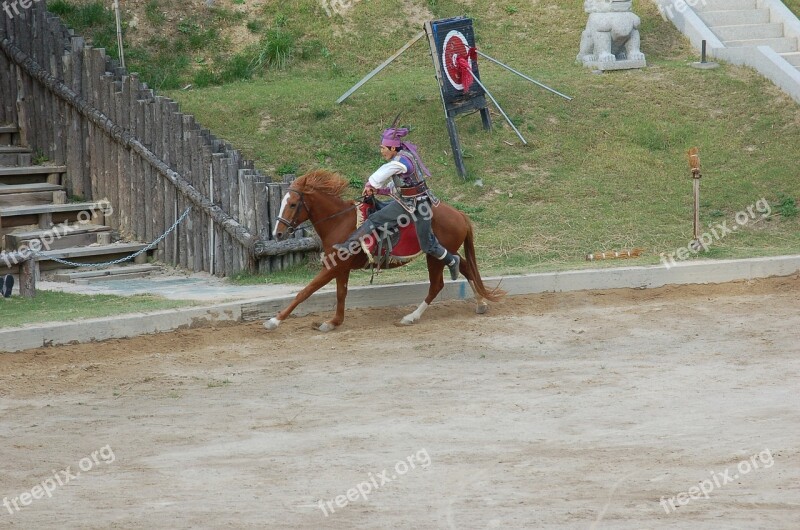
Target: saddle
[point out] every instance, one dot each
(399, 248)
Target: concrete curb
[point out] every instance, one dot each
(682, 273)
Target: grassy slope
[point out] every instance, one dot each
(606, 170)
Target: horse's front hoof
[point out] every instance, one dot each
(325, 327)
(406, 321)
(481, 309)
(272, 324)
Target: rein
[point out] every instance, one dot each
(292, 227)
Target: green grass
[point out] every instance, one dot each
(793, 5)
(605, 171)
(54, 306)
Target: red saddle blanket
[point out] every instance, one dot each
(404, 249)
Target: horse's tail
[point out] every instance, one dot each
(495, 294)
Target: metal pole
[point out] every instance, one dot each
(119, 34)
(496, 104)
(703, 53)
(525, 76)
(381, 67)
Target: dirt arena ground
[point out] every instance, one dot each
(669, 408)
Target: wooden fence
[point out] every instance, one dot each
(122, 142)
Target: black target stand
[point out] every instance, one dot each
(449, 39)
(452, 45)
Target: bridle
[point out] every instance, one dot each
(292, 226)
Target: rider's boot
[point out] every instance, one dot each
(452, 261)
(353, 243)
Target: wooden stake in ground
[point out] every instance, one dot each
(613, 254)
(694, 165)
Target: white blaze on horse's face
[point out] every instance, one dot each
(281, 214)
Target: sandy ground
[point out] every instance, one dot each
(580, 410)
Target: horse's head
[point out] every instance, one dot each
(319, 190)
(294, 211)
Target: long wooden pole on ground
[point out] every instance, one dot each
(381, 67)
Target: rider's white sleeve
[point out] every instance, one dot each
(384, 173)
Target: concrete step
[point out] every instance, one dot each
(114, 273)
(90, 254)
(792, 58)
(30, 194)
(733, 18)
(46, 215)
(748, 32)
(59, 237)
(780, 45)
(723, 5)
(32, 174)
(12, 155)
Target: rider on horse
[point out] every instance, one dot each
(403, 176)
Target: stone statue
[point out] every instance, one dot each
(611, 38)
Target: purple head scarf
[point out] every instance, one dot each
(392, 138)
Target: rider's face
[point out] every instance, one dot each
(387, 153)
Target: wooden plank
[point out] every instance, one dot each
(275, 198)
(262, 217)
(6, 189)
(247, 209)
(218, 237)
(168, 206)
(139, 185)
(191, 223)
(200, 169)
(58, 50)
(122, 206)
(92, 90)
(180, 167)
(29, 272)
(156, 182)
(70, 116)
(148, 195)
(232, 259)
(110, 152)
(81, 136)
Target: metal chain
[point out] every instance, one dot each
(128, 258)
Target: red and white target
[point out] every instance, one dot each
(455, 45)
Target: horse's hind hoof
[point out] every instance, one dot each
(272, 324)
(325, 327)
(481, 309)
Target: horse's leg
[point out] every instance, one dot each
(435, 269)
(341, 295)
(481, 305)
(321, 279)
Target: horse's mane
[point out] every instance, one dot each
(322, 181)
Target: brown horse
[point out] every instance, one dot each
(316, 197)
